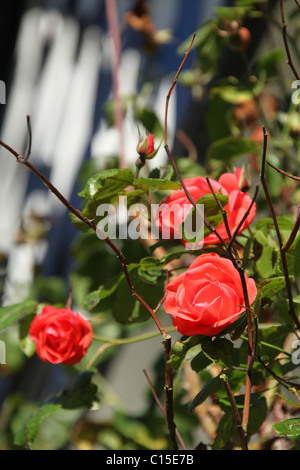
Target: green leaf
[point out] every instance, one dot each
(81, 395)
(296, 259)
(200, 362)
(289, 427)
(219, 350)
(26, 436)
(162, 172)
(107, 289)
(284, 223)
(224, 431)
(265, 255)
(149, 120)
(234, 95)
(126, 308)
(290, 402)
(180, 350)
(271, 341)
(270, 61)
(214, 385)
(107, 184)
(12, 314)
(147, 184)
(268, 288)
(229, 148)
(151, 263)
(79, 224)
(258, 412)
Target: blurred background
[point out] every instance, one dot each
(64, 63)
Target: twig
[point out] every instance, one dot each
(284, 382)
(236, 415)
(28, 151)
(235, 233)
(222, 210)
(286, 44)
(162, 408)
(284, 173)
(169, 393)
(279, 238)
(297, 221)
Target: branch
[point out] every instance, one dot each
(284, 173)
(285, 40)
(236, 415)
(282, 251)
(297, 220)
(162, 408)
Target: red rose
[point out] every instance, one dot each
(174, 209)
(207, 297)
(60, 335)
(179, 205)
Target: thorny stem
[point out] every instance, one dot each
(285, 40)
(236, 415)
(279, 238)
(162, 408)
(297, 221)
(236, 262)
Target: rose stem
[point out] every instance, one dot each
(236, 415)
(162, 408)
(251, 347)
(281, 248)
(286, 44)
(213, 230)
(297, 222)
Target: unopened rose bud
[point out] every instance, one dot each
(145, 148)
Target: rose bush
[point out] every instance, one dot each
(61, 336)
(178, 205)
(207, 297)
